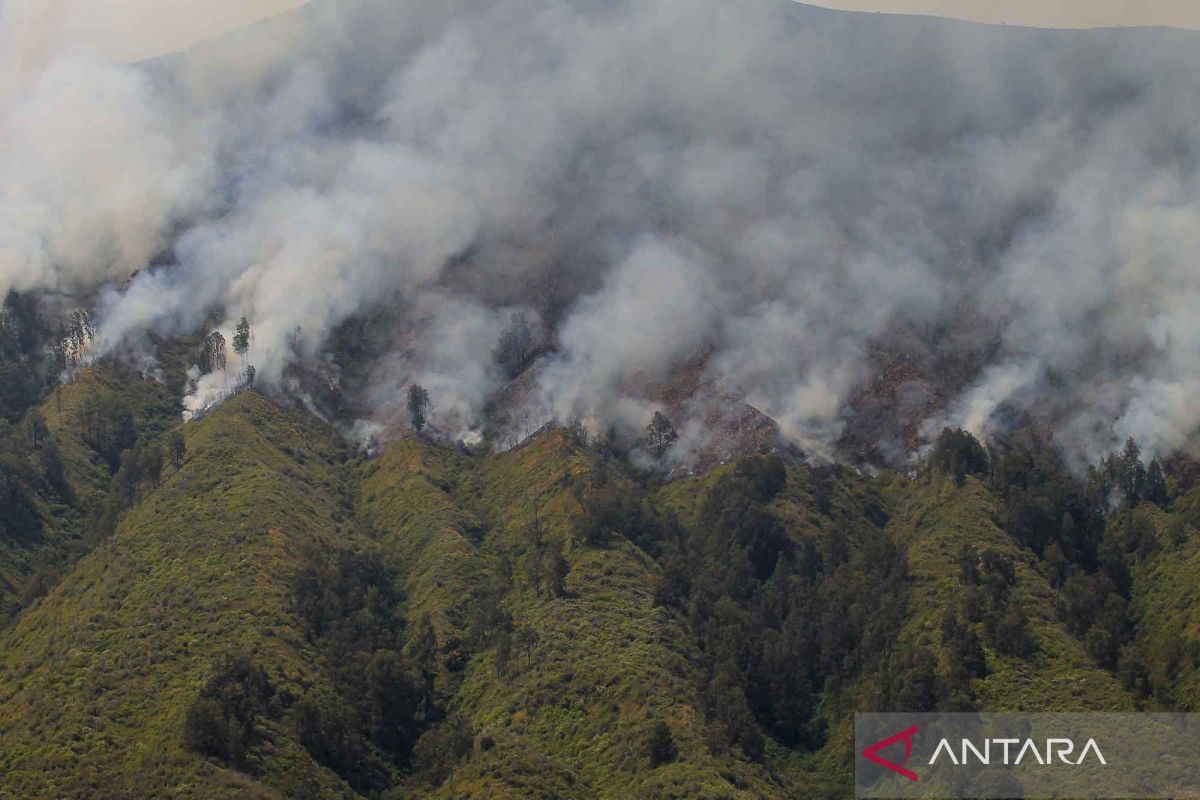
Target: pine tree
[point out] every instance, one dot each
(1156, 485)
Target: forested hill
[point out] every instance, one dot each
(243, 606)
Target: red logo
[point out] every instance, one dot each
(871, 753)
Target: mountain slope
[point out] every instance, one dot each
(58, 464)
(275, 617)
(934, 522)
(96, 679)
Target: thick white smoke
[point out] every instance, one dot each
(781, 191)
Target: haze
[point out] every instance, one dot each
(128, 30)
(1040, 13)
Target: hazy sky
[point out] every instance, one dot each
(128, 29)
(1046, 13)
(134, 29)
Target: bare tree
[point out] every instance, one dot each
(77, 337)
(515, 346)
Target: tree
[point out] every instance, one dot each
(212, 355)
(108, 427)
(526, 639)
(660, 745)
(557, 569)
(35, 424)
(959, 454)
(660, 435)
(515, 346)
(1126, 473)
(1009, 630)
(149, 462)
(241, 339)
(423, 650)
(223, 722)
(419, 406)
(22, 329)
(176, 448)
(504, 648)
(1156, 485)
(963, 647)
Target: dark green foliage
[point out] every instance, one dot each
(958, 454)
(1093, 610)
(224, 721)
(30, 467)
(176, 448)
(753, 745)
(524, 641)
(1155, 489)
(741, 534)
(241, 338)
(763, 476)
(442, 747)
(23, 332)
(1126, 473)
(21, 386)
(1008, 627)
(660, 745)
(18, 515)
(779, 622)
(1045, 506)
(965, 662)
(384, 700)
(660, 435)
(23, 375)
(546, 564)
(989, 577)
(963, 647)
(419, 406)
(615, 507)
(909, 681)
(108, 427)
(332, 732)
(822, 481)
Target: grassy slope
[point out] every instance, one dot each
(64, 518)
(571, 717)
(154, 409)
(933, 521)
(95, 681)
(418, 501)
(1165, 603)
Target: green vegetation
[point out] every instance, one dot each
(243, 607)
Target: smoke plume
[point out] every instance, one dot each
(778, 190)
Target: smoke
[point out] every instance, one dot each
(779, 190)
